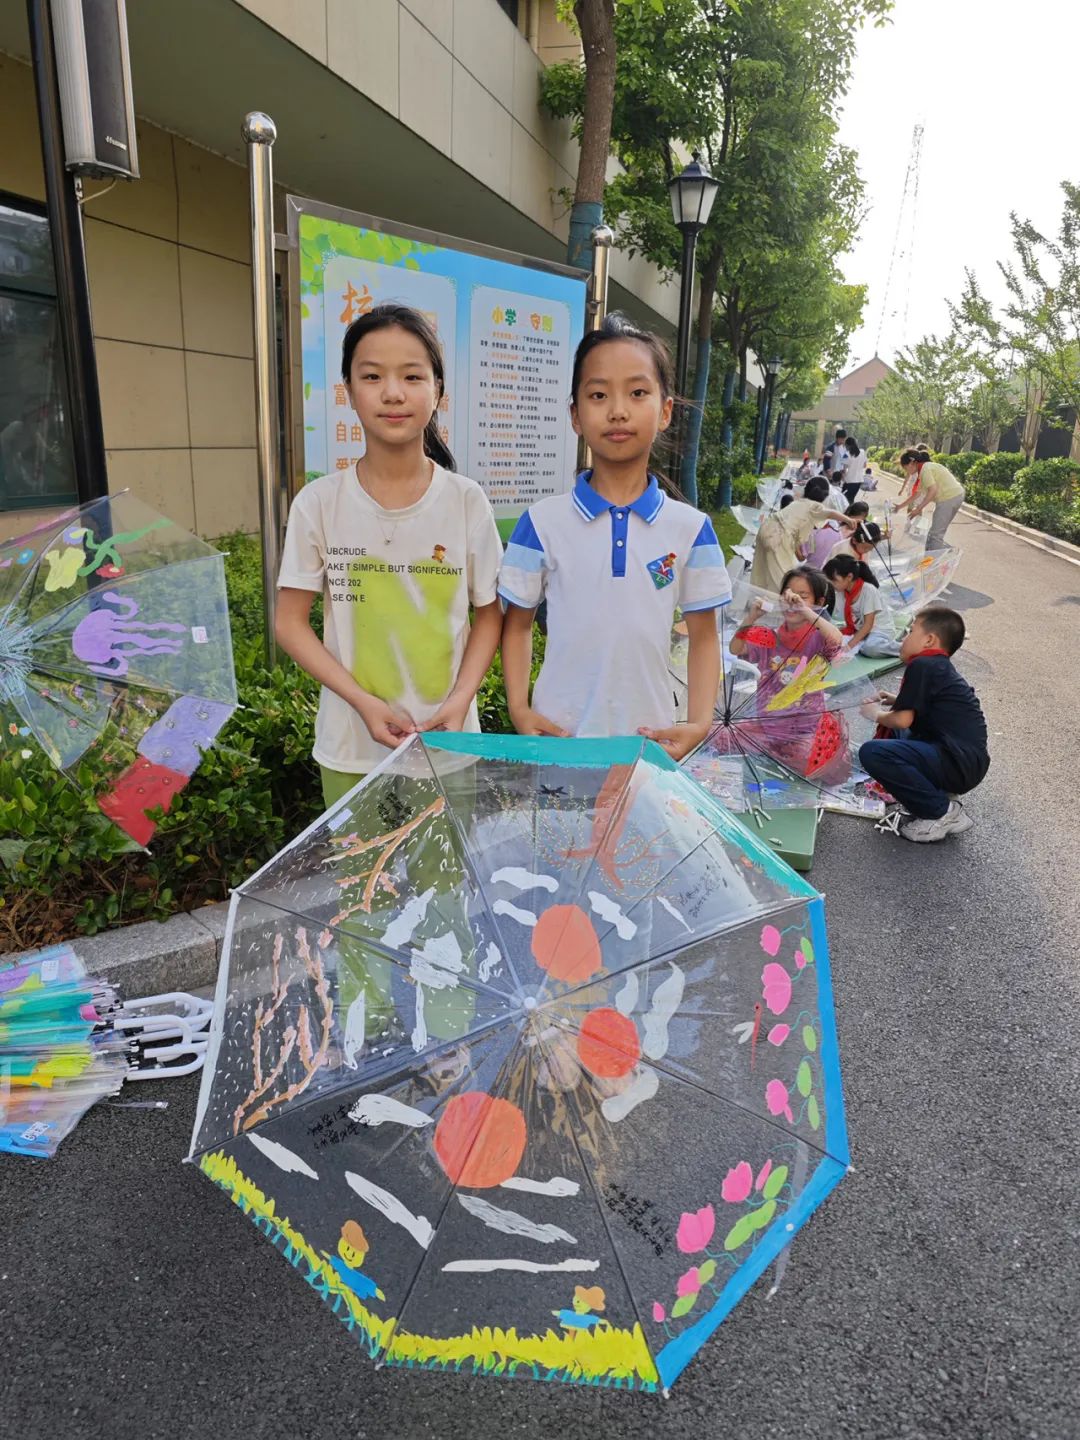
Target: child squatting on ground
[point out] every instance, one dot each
(937, 748)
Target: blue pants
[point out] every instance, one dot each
(913, 771)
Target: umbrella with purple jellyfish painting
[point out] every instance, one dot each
(115, 653)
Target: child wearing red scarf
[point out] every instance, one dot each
(939, 749)
(868, 624)
(805, 632)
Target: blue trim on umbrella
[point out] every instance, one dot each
(677, 1354)
(836, 1137)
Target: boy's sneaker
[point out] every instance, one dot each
(925, 832)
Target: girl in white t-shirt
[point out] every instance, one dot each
(400, 547)
(868, 625)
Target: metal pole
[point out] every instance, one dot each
(686, 303)
(603, 237)
(69, 261)
(682, 343)
(259, 133)
(763, 438)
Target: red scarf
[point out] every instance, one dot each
(918, 479)
(850, 596)
(925, 654)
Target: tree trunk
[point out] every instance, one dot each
(691, 443)
(596, 21)
(742, 375)
(728, 437)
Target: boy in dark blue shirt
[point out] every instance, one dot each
(938, 750)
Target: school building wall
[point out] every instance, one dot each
(422, 111)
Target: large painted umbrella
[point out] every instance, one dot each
(115, 653)
(523, 1057)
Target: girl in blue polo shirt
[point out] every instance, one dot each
(614, 559)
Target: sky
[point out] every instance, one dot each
(996, 86)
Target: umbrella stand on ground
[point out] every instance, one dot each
(523, 1056)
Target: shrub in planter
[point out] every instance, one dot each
(744, 490)
(988, 497)
(1047, 480)
(773, 467)
(961, 463)
(998, 470)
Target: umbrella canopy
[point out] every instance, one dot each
(524, 1056)
(789, 720)
(116, 653)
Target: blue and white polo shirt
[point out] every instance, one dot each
(612, 577)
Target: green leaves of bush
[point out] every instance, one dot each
(65, 868)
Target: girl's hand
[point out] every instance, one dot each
(886, 698)
(757, 608)
(531, 722)
(387, 724)
(451, 715)
(677, 740)
(792, 602)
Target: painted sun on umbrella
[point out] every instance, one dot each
(464, 1026)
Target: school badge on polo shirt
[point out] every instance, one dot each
(662, 570)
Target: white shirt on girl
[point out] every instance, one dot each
(396, 588)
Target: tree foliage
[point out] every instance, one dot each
(754, 88)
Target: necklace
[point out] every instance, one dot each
(387, 539)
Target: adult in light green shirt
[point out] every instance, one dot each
(933, 485)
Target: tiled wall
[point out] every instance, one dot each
(171, 297)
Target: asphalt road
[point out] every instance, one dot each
(937, 1293)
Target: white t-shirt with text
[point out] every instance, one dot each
(396, 587)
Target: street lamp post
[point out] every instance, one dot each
(772, 369)
(692, 194)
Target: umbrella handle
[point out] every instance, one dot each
(197, 1010)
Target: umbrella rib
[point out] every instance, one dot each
(448, 810)
(678, 947)
(595, 847)
(386, 952)
(702, 1089)
(496, 1091)
(363, 1080)
(572, 1104)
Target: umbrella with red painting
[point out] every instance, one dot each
(523, 1057)
(791, 711)
(115, 654)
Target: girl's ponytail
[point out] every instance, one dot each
(850, 569)
(435, 447)
(865, 573)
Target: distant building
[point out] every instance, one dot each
(839, 405)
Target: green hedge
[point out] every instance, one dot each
(65, 869)
(997, 470)
(961, 463)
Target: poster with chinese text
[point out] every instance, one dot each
(508, 332)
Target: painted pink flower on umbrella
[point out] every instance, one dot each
(776, 987)
(763, 1175)
(778, 1034)
(689, 1283)
(696, 1228)
(776, 1098)
(737, 1183)
(770, 940)
(659, 1314)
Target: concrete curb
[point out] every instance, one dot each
(1038, 539)
(154, 956)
